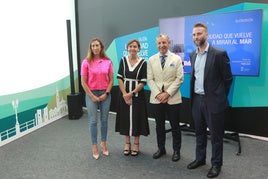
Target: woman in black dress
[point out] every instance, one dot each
(132, 116)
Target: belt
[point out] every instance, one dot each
(200, 95)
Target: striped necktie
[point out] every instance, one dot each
(163, 60)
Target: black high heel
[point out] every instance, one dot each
(135, 152)
(127, 150)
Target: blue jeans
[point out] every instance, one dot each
(92, 107)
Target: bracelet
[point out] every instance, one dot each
(107, 93)
(133, 93)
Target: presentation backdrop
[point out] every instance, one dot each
(239, 33)
(252, 91)
(34, 70)
(245, 27)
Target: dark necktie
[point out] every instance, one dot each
(163, 60)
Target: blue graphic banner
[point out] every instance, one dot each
(239, 33)
(147, 39)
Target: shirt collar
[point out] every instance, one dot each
(205, 51)
(166, 54)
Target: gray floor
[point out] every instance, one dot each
(62, 150)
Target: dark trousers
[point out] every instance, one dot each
(215, 123)
(161, 113)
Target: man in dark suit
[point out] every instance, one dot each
(211, 79)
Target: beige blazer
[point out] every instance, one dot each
(171, 77)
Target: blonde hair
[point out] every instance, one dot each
(90, 54)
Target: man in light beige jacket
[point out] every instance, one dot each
(165, 98)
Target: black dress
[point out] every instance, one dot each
(132, 120)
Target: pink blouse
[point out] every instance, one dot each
(97, 73)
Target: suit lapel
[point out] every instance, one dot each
(193, 58)
(209, 60)
(168, 58)
(157, 62)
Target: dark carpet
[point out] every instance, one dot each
(62, 150)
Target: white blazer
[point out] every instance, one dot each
(171, 77)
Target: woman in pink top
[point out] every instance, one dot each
(97, 82)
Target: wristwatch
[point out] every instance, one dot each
(133, 93)
(107, 93)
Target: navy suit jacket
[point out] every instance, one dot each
(217, 79)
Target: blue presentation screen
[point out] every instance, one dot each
(239, 33)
